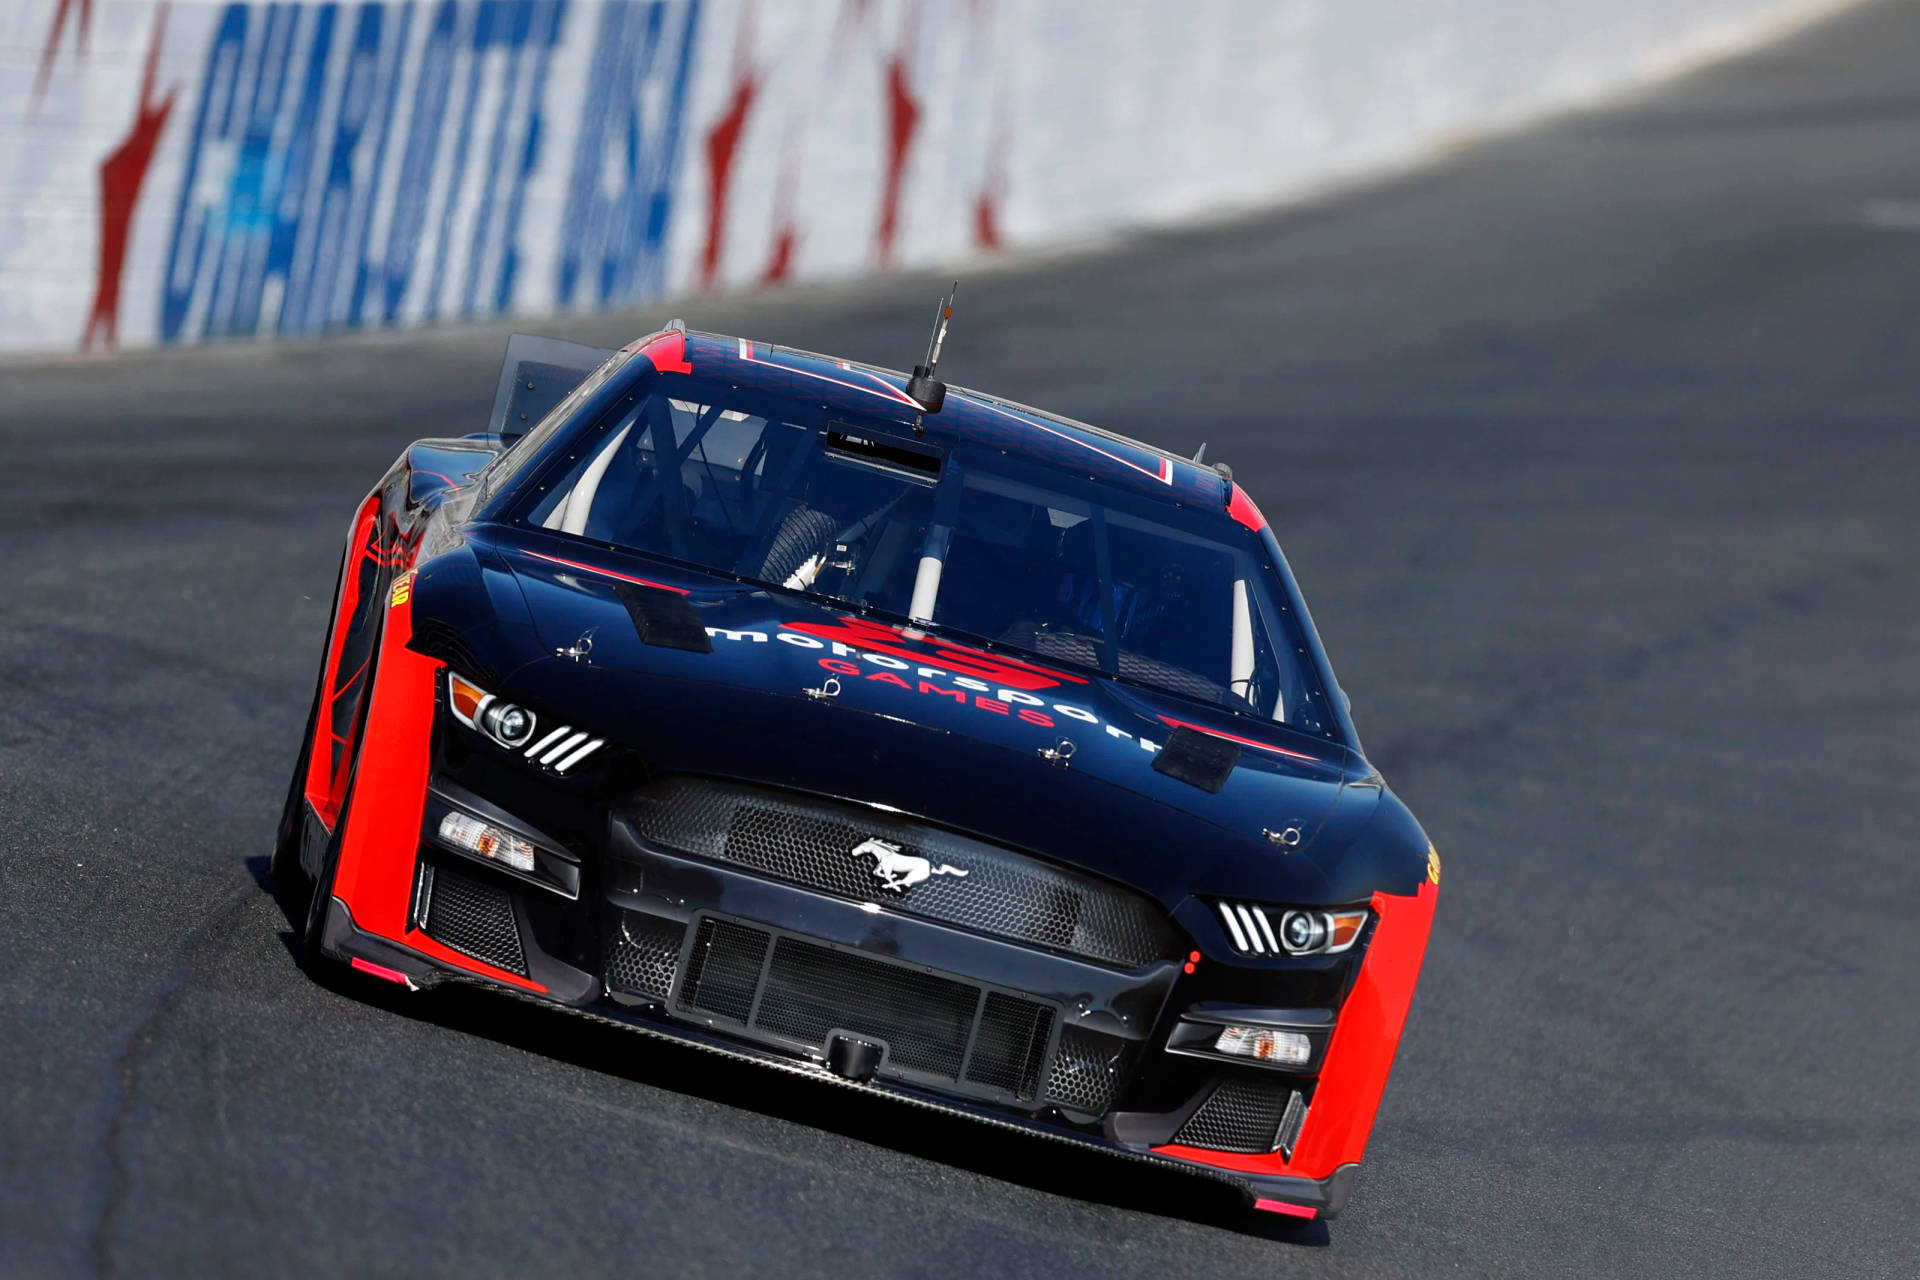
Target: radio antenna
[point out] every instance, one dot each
(923, 388)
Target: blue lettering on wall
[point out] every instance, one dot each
(193, 218)
(384, 110)
(613, 236)
(424, 125)
(258, 172)
(340, 151)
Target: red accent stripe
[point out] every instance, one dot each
(1241, 508)
(884, 388)
(1171, 723)
(381, 971)
(1281, 1206)
(611, 573)
(669, 353)
(1163, 470)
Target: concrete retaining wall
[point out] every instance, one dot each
(174, 173)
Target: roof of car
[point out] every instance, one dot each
(873, 391)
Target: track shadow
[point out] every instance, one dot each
(1029, 1161)
(1053, 1167)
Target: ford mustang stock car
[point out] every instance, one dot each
(915, 739)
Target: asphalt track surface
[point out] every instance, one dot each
(1596, 452)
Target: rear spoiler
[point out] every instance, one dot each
(537, 375)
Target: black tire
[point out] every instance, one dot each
(291, 883)
(322, 895)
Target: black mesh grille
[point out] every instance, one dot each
(475, 919)
(1011, 1045)
(644, 953)
(812, 842)
(724, 969)
(1086, 1071)
(804, 991)
(924, 1019)
(1241, 1115)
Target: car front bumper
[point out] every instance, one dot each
(1289, 1195)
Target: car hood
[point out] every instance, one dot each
(797, 694)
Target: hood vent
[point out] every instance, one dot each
(1198, 759)
(664, 618)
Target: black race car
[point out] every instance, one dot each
(915, 739)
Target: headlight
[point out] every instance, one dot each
(1255, 930)
(474, 707)
(509, 725)
(514, 727)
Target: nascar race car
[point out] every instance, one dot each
(915, 739)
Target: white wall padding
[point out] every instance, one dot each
(177, 172)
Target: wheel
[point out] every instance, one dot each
(322, 894)
(291, 883)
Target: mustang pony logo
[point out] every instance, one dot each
(898, 871)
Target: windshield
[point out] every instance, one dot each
(864, 514)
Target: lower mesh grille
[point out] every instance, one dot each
(476, 920)
(1011, 1045)
(725, 969)
(644, 954)
(803, 991)
(1244, 1116)
(812, 990)
(1086, 1071)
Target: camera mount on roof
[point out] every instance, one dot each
(923, 388)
